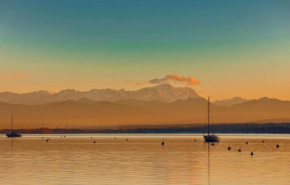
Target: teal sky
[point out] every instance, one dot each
(234, 48)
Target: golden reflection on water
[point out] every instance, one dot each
(208, 158)
(141, 159)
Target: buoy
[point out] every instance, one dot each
(94, 141)
(240, 149)
(252, 153)
(162, 143)
(115, 138)
(47, 140)
(229, 148)
(195, 140)
(246, 142)
(277, 146)
(212, 144)
(126, 139)
(263, 141)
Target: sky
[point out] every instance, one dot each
(219, 48)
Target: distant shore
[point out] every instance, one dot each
(268, 128)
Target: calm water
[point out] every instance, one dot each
(75, 159)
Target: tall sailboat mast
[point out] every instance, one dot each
(208, 115)
(210, 137)
(12, 123)
(13, 133)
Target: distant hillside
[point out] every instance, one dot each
(230, 102)
(87, 113)
(162, 93)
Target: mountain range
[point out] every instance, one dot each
(87, 113)
(230, 102)
(162, 93)
(159, 105)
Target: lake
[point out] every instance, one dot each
(76, 159)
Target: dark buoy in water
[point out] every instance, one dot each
(126, 139)
(47, 140)
(239, 150)
(247, 142)
(212, 144)
(162, 143)
(194, 139)
(252, 153)
(263, 141)
(277, 146)
(114, 138)
(94, 141)
(229, 148)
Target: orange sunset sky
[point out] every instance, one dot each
(223, 49)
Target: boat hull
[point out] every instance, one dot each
(13, 134)
(211, 138)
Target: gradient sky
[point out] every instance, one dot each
(234, 48)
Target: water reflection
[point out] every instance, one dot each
(11, 145)
(143, 160)
(208, 156)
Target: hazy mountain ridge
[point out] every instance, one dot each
(88, 113)
(162, 93)
(230, 102)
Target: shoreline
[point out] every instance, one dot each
(269, 128)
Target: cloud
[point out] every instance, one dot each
(142, 83)
(175, 78)
(14, 75)
(189, 81)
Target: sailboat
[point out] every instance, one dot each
(209, 137)
(13, 133)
